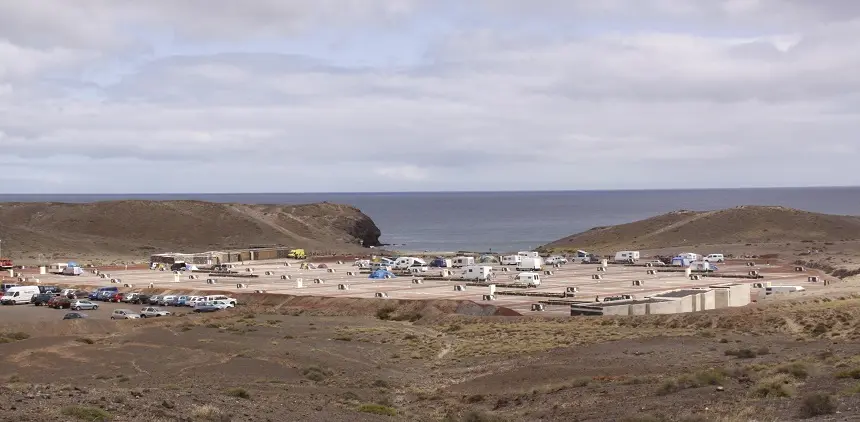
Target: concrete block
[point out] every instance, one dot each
(241, 285)
(571, 289)
(556, 265)
(695, 277)
(339, 262)
(319, 281)
(210, 281)
(459, 288)
(538, 307)
(597, 277)
(648, 264)
(151, 285)
(750, 264)
(343, 286)
(813, 279)
(417, 281)
(381, 295)
(286, 277)
(601, 269)
(798, 269)
(269, 273)
(761, 285)
(753, 273)
(547, 272)
(489, 297)
(651, 272)
(330, 270)
(287, 264)
(249, 270)
(128, 285)
(114, 280)
(259, 291)
(192, 277)
(505, 269)
(638, 282)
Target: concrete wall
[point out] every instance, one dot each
(721, 298)
(740, 295)
(668, 307)
(707, 300)
(639, 309)
(685, 304)
(616, 310)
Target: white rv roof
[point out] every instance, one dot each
(527, 273)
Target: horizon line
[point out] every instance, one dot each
(437, 192)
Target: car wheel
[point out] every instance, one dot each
(143, 316)
(95, 307)
(77, 308)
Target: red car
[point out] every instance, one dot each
(59, 302)
(115, 298)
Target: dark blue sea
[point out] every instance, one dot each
(511, 221)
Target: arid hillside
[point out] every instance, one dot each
(138, 228)
(740, 225)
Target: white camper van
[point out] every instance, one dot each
(19, 295)
(463, 261)
(528, 254)
(477, 272)
(530, 279)
(511, 260)
(627, 256)
(715, 257)
(530, 264)
(403, 263)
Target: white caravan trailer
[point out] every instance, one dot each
(627, 256)
(511, 260)
(528, 254)
(530, 279)
(530, 264)
(405, 262)
(463, 261)
(477, 272)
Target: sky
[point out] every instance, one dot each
(166, 96)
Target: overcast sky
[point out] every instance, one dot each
(110, 96)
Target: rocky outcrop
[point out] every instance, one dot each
(139, 228)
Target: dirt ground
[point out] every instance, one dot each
(267, 362)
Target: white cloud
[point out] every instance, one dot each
(613, 94)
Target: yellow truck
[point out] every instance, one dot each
(297, 254)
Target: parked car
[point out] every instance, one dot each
(128, 297)
(105, 295)
(60, 303)
(166, 300)
(124, 314)
(155, 299)
(180, 301)
(116, 298)
(152, 312)
(77, 294)
(205, 307)
(140, 299)
(194, 301)
(49, 289)
(75, 315)
(83, 304)
(42, 299)
(222, 304)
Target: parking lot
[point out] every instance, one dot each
(616, 280)
(10, 313)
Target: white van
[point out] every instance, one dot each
(227, 299)
(528, 254)
(380, 266)
(511, 260)
(627, 256)
(715, 257)
(477, 272)
(19, 295)
(530, 279)
(463, 261)
(404, 263)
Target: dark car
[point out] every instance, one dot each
(75, 315)
(60, 303)
(140, 300)
(206, 307)
(42, 299)
(155, 299)
(49, 289)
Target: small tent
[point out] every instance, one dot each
(489, 259)
(381, 274)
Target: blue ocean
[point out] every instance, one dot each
(511, 221)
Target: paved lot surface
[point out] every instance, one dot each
(616, 280)
(10, 313)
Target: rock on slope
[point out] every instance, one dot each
(138, 228)
(740, 225)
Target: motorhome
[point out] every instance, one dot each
(477, 272)
(511, 260)
(440, 262)
(715, 257)
(702, 266)
(528, 254)
(19, 295)
(380, 266)
(403, 263)
(556, 259)
(530, 264)
(72, 271)
(57, 268)
(530, 279)
(463, 261)
(627, 256)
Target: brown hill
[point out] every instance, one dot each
(740, 225)
(138, 228)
